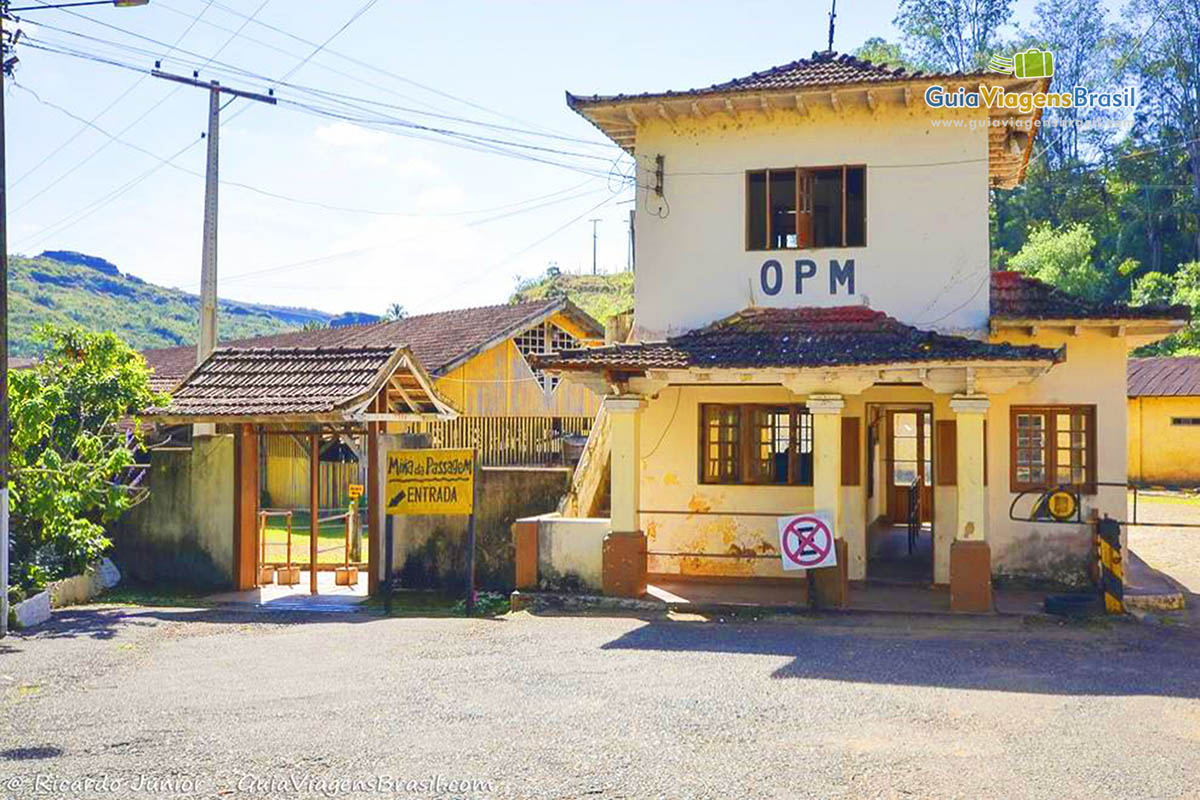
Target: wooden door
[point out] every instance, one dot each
(909, 458)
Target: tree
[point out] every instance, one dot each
(395, 311)
(1162, 54)
(1062, 258)
(955, 35)
(73, 438)
(1184, 288)
(880, 51)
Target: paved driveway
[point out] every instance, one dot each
(212, 704)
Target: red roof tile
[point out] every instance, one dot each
(292, 382)
(440, 341)
(1017, 296)
(826, 68)
(1167, 376)
(796, 338)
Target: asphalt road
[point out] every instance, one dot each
(177, 703)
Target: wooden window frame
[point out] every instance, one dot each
(1050, 447)
(803, 175)
(747, 473)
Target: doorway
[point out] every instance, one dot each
(901, 541)
(910, 465)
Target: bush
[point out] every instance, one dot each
(74, 435)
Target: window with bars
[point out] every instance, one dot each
(544, 338)
(756, 444)
(1053, 446)
(796, 208)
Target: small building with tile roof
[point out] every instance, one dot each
(297, 419)
(1164, 421)
(817, 330)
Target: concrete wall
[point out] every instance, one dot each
(926, 252)
(1159, 452)
(1093, 374)
(430, 552)
(570, 553)
(184, 532)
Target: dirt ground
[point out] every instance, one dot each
(1175, 551)
(161, 702)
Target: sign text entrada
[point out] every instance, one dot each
(772, 276)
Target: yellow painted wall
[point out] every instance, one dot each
(670, 483)
(1159, 452)
(499, 382)
(926, 251)
(1093, 374)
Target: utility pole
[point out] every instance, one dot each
(6, 65)
(595, 222)
(207, 340)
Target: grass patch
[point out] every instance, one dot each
(412, 603)
(140, 595)
(331, 540)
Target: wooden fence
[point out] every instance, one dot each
(502, 442)
(507, 441)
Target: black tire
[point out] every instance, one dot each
(1073, 605)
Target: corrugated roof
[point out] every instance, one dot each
(440, 341)
(295, 382)
(796, 338)
(1018, 296)
(1166, 376)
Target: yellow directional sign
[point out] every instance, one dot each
(430, 481)
(355, 490)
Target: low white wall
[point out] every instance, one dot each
(570, 552)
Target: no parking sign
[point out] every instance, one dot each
(806, 542)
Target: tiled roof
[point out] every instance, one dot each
(1018, 296)
(440, 341)
(826, 68)
(796, 338)
(1167, 376)
(290, 381)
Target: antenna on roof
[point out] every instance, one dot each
(832, 17)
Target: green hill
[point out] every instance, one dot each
(65, 288)
(599, 295)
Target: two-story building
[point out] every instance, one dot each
(817, 328)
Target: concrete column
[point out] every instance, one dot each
(625, 415)
(624, 556)
(970, 554)
(831, 585)
(826, 410)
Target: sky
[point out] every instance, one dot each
(365, 214)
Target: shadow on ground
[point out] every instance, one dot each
(1118, 658)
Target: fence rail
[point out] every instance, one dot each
(507, 441)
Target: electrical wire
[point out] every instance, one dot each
(80, 130)
(79, 164)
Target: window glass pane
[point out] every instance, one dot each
(721, 443)
(756, 211)
(827, 207)
(772, 442)
(783, 208)
(804, 447)
(856, 206)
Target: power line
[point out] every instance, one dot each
(79, 131)
(79, 164)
